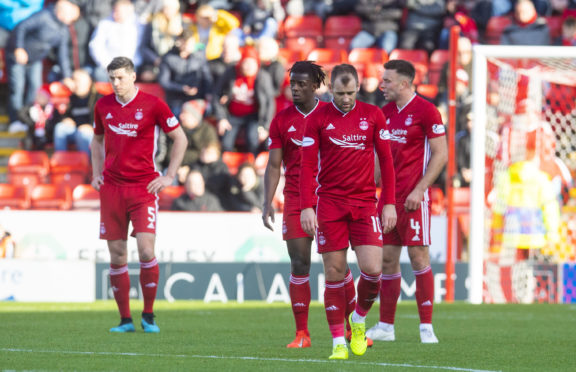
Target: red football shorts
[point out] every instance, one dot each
(341, 225)
(412, 228)
(291, 226)
(120, 205)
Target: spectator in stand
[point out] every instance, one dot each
(29, 43)
(160, 35)
(12, 13)
(568, 37)
(244, 99)
(457, 15)
(245, 192)
(198, 131)
(184, 74)
(369, 87)
(463, 151)
(527, 28)
(215, 171)
(268, 53)
(118, 35)
(211, 28)
(37, 119)
(76, 124)
(195, 197)
(262, 21)
(230, 56)
(563, 8)
(145, 9)
(95, 11)
(423, 24)
(380, 24)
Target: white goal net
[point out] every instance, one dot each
(523, 156)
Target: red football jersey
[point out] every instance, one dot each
(342, 146)
(410, 128)
(130, 136)
(286, 132)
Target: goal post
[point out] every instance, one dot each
(546, 63)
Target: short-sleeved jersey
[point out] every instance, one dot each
(130, 136)
(286, 132)
(342, 146)
(410, 128)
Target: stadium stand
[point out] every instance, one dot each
(51, 196)
(234, 159)
(327, 58)
(418, 57)
(85, 197)
(339, 30)
(260, 162)
(70, 168)
(438, 59)
(14, 196)
(494, 29)
(302, 33)
(28, 168)
(167, 196)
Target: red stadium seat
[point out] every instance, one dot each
(289, 56)
(261, 162)
(429, 91)
(152, 88)
(234, 159)
(28, 168)
(51, 196)
(438, 59)
(3, 72)
(167, 196)
(494, 29)
(340, 30)
(419, 59)
(327, 58)
(85, 197)
(361, 58)
(69, 167)
(14, 196)
(437, 201)
(302, 33)
(103, 87)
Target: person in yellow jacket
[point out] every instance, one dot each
(211, 27)
(526, 209)
(7, 245)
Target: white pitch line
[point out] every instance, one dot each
(405, 365)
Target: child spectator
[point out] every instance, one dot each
(568, 37)
(37, 120)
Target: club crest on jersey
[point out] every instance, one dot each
(408, 121)
(138, 115)
(363, 124)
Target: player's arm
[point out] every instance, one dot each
(438, 159)
(387, 173)
(271, 180)
(310, 147)
(176, 155)
(97, 154)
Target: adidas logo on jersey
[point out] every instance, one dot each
(291, 129)
(332, 308)
(330, 126)
(109, 116)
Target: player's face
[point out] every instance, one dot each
(391, 84)
(302, 88)
(344, 92)
(122, 82)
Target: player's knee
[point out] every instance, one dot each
(300, 266)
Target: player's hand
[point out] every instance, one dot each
(267, 216)
(308, 221)
(21, 56)
(413, 200)
(223, 126)
(388, 218)
(97, 182)
(159, 183)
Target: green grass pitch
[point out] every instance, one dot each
(252, 337)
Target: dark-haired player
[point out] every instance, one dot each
(126, 129)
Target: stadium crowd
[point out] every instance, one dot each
(222, 68)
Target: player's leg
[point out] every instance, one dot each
(114, 229)
(143, 214)
(390, 287)
(369, 258)
(420, 261)
(335, 300)
(299, 251)
(149, 275)
(120, 283)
